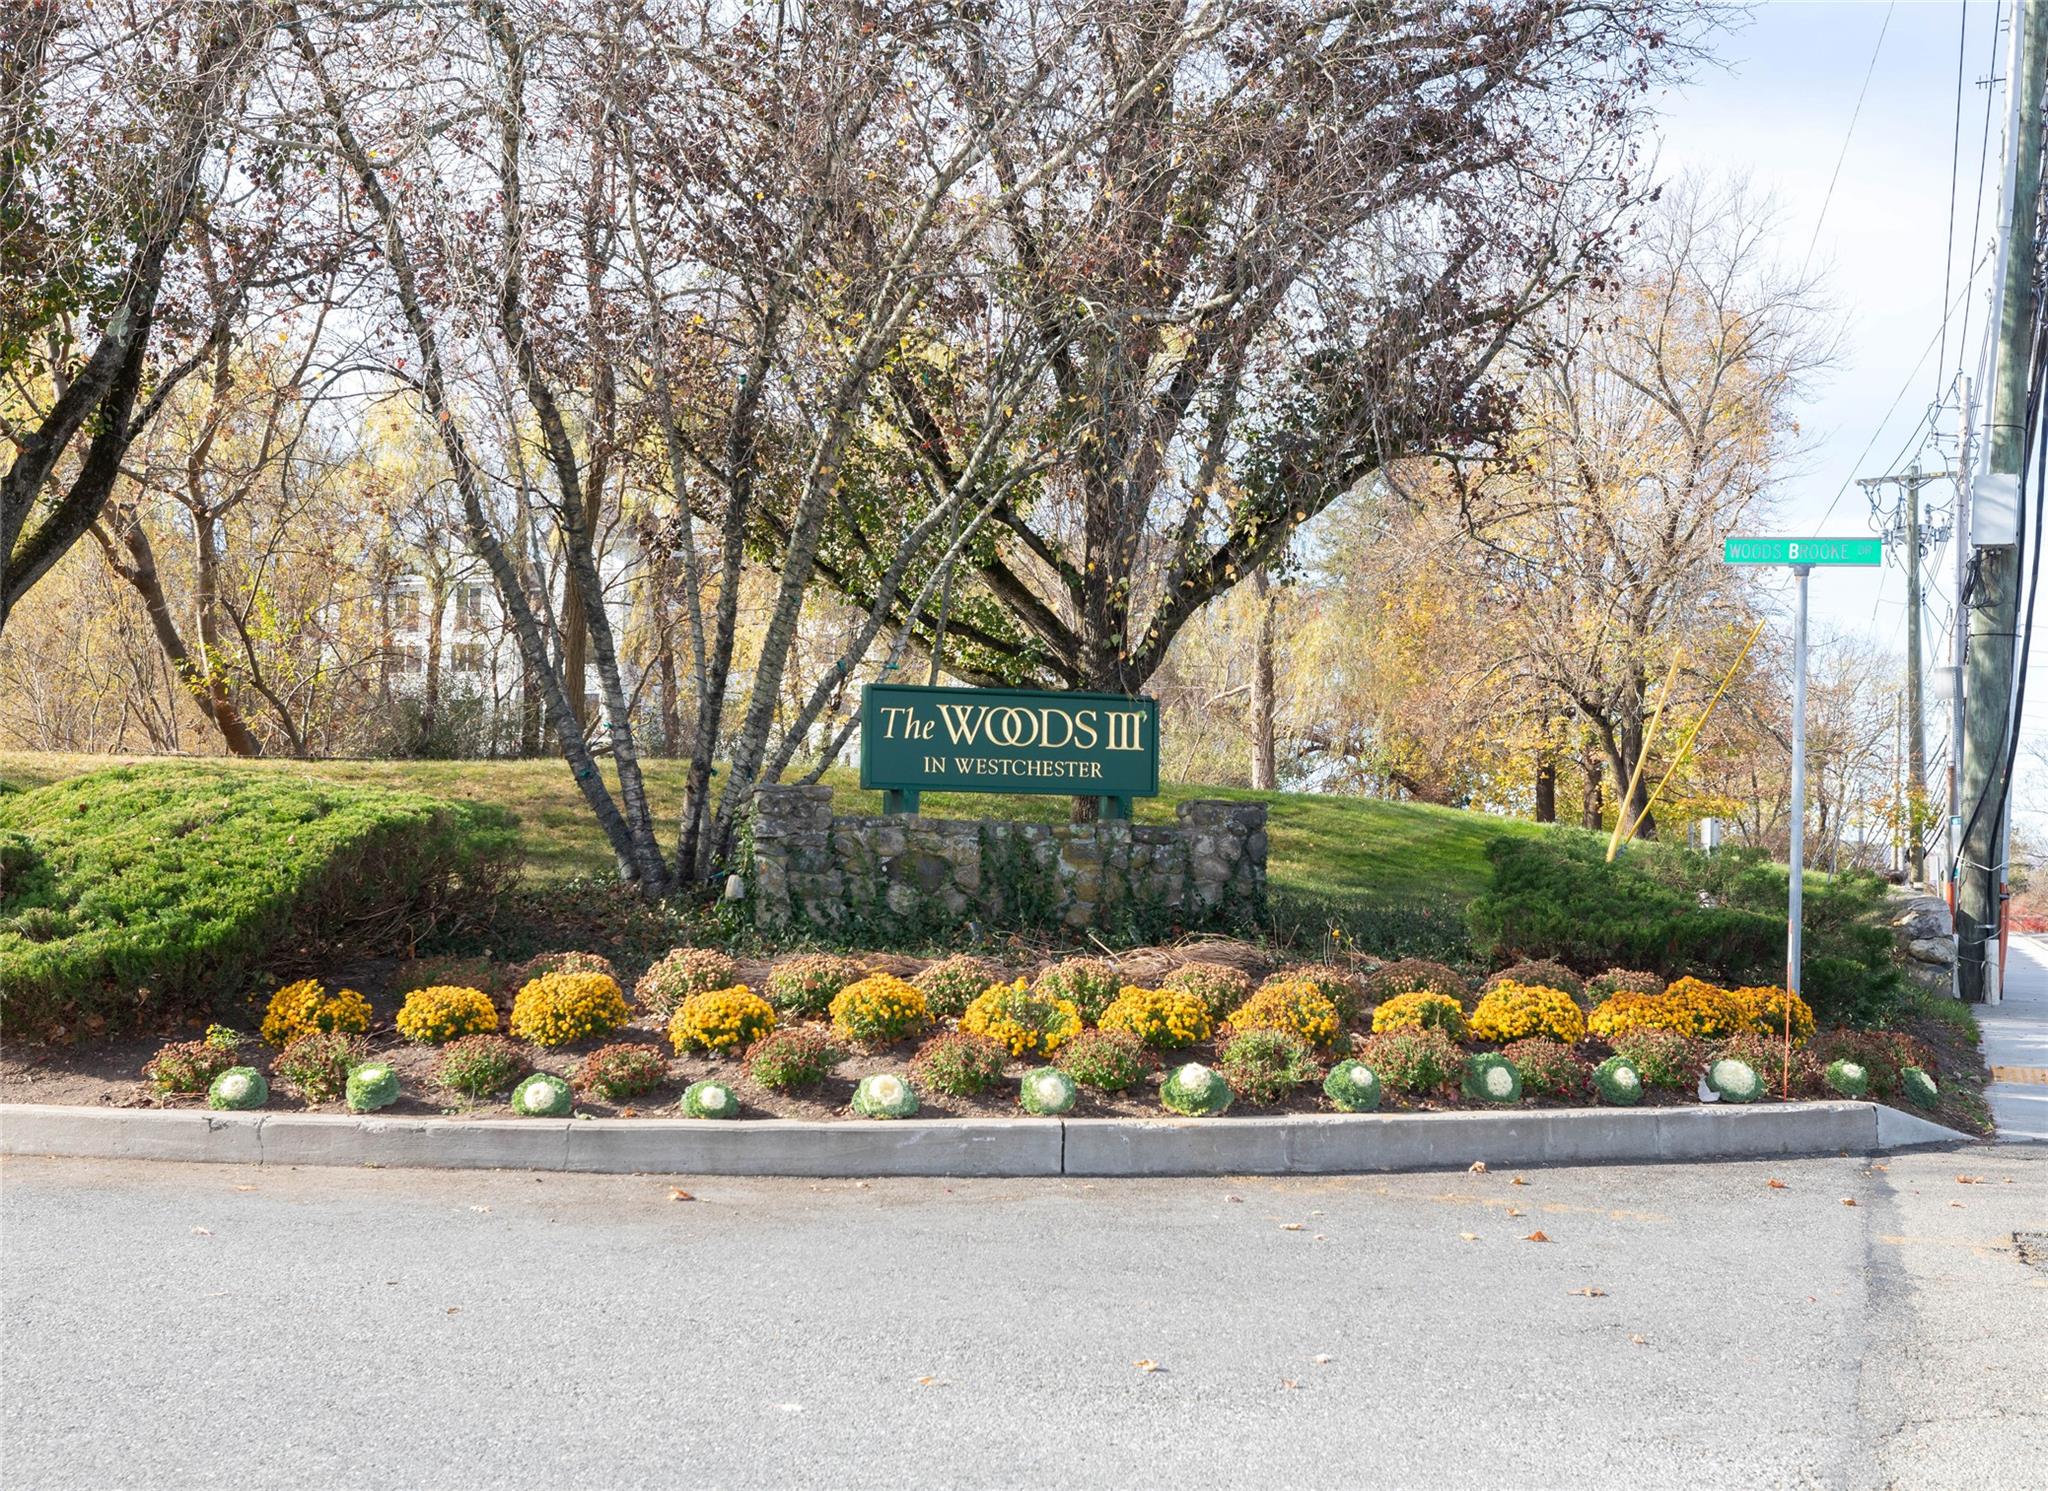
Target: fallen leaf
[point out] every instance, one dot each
(1514, 1211)
(1518, 1181)
(1848, 1201)
(1638, 1341)
(1776, 1184)
(931, 1382)
(1320, 1238)
(1478, 1167)
(1290, 1384)
(1589, 1292)
(479, 1208)
(1146, 1364)
(677, 1193)
(245, 1188)
(1290, 1226)
(1537, 1236)
(455, 1309)
(1958, 1206)
(202, 1232)
(629, 1113)
(1469, 1236)
(1322, 1359)
(1969, 1180)
(1233, 1198)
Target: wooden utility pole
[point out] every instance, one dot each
(1995, 598)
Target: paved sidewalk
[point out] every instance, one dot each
(2016, 1044)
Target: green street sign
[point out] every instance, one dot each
(1818, 551)
(915, 739)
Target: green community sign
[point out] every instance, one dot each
(915, 739)
(1835, 551)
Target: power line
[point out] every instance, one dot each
(1955, 150)
(1983, 155)
(1847, 136)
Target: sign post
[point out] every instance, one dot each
(1801, 555)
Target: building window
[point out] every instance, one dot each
(469, 657)
(412, 659)
(469, 608)
(405, 611)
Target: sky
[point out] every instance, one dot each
(1864, 189)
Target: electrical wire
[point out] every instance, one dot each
(1955, 151)
(1983, 156)
(1847, 136)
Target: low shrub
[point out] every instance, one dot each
(1919, 1088)
(1509, 1011)
(879, 1009)
(445, 1012)
(543, 1095)
(1545, 973)
(1763, 1008)
(189, 880)
(237, 1088)
(1549, 1068)
(303, 1007)
(807, 985)
(1420, 1011)
(1264, 1065)
(616, 1073)
(679, 973)
(1194, 1091)
(1883, 1055)
(1848, 1078)
(1293, 1006)
(478, 1066)
(1617, 1080)
(1414, 976)
(316, 1065)
(372, 1085)
(559, 1009)
(1413, 1060)
(1491, 1078)
(720, 1020)
(1352, 1087)
(1220, 987)
(709, 1098)
(1106, 1060)
(1342, 987)
(958, 1064)
(1661, 1057)
(1689, 1007)
(794, 1058)
(1089, 983)
(1734, 1080)
(223, 1038)
(1047, 1092)
(1024, 1021)
(1164, 1019)
(951, 984)
(884, 1095)
(1623, 981)
(189, 1066)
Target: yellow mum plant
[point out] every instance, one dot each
(1161, 1018)
(305, 1007)
(558, 1009)
(436, 1015)
(1763, 1009)
(879, 1009)
(1421, 1011)
(1511, 1012)
(1690, 1007)
(1029, 1022)
(721, 1020)
(1293, 1005)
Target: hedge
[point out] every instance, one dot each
(144, 886)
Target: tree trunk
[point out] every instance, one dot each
(1265, 773)
(1546, 788)
(437, 605)
(1592, 810)
(223, 712)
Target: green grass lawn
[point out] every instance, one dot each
(1342, 850)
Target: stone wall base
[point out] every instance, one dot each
(811, 867)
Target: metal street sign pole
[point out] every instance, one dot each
(1794, 917)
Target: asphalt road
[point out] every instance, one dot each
(172, 1326)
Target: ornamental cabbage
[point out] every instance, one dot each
(1734, 1081)
(1352, 1087)
(371, 1086)
(1492, 1078)
(884, 1095)
(710, 1098)
(1194, 1091)
(1919, 1087)
(238, 1087)
(1850, 1078)
(542, 1096)
(1619, 1082)
(1047, 1091)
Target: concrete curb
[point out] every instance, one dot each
(1312, 1144)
